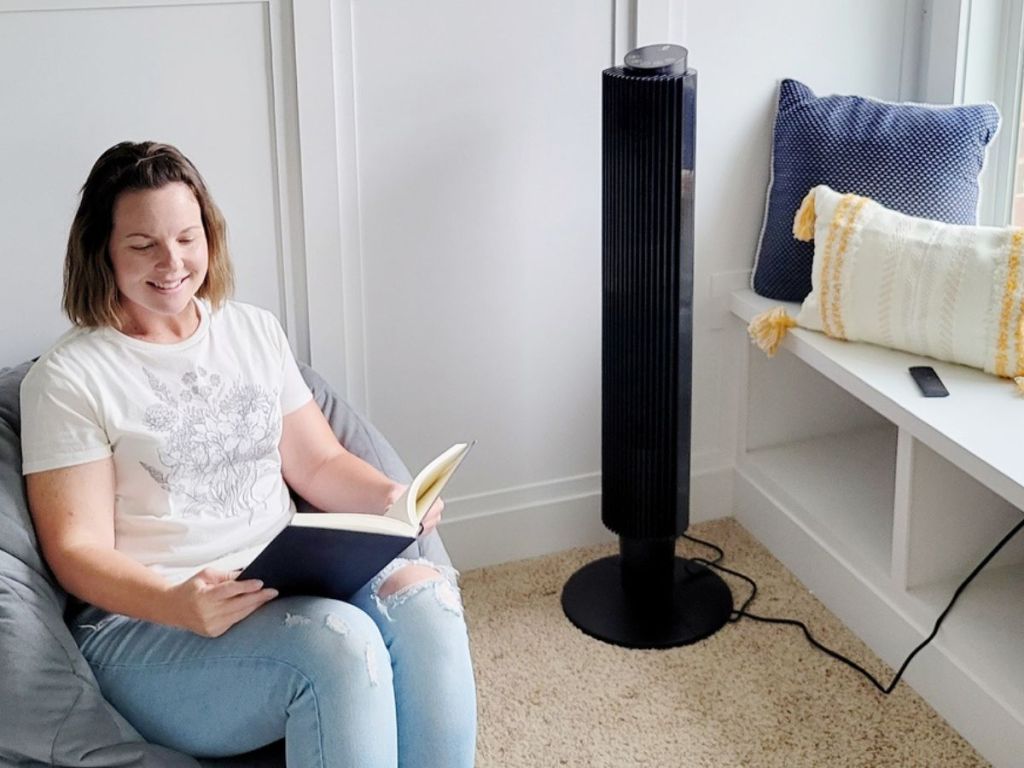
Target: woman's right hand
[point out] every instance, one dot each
(213, 601)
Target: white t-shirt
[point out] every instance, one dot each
(193, 428)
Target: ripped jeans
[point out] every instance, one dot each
(364, 683)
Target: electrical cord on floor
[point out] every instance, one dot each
(709, 545)
(742, 612)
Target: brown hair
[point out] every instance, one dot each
(90, 293)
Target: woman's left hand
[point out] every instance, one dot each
(433, 516)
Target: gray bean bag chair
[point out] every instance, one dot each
(53, 711)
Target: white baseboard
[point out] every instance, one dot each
(488, 529)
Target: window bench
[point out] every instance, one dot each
(882, 501)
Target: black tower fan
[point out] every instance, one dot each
(646, 596)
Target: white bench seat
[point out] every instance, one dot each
(882, 501)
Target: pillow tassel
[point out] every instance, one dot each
(803, 223)
(768, 329)
(1019, 381)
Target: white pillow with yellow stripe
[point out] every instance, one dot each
(949, 291)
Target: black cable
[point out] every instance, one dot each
(743, 613)
(737, 614)
(707, 544)
(834, 654)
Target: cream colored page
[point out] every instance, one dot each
(427, 486)
(355, 522)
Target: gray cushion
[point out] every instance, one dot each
(17, 536)
(53, 712)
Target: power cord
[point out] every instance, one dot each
(718, 550)
(743, 613)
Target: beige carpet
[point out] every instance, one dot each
(751, 695)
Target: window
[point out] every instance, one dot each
(989, 67)
(1017, 213)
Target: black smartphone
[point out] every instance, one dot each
(928, 381)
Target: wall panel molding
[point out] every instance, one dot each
(550, 517)
(287, 189)
(330, 187)
(21, 6)
(624, 30)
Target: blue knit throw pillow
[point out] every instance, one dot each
(917, 159)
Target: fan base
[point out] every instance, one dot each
(695, 605)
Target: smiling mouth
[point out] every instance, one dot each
(169, 285)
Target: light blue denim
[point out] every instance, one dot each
(365, 683)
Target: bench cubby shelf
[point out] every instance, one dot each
(882, 501)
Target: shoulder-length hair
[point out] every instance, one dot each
(90, 296)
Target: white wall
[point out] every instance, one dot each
(741, 50)
(476, 141)
(414, 188)
(77, 77)
(847, 46)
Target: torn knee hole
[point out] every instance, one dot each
(407, 576)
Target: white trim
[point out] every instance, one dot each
(24, 6)
(1013, 93)
(942, 32)
(521, 497)
(346, 107)
(704, 465)
(911, 50)
(540, 529)
(771, 183)
(287, 199)
(623, 30)
(963, 35)
(902, 508)
(971, 53)
(325, 86)
(480, 530)
(989, 69)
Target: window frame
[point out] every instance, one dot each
(990, 67)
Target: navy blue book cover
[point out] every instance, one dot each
(337, 561)
(326, 562)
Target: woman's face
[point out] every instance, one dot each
(158, 252)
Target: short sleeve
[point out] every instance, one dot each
(295, 393)
(60, 424)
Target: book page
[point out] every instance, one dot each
(427, 486)
(355, 522)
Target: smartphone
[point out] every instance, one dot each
(928, 381)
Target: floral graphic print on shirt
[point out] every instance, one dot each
(220, 438)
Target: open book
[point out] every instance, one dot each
(333, 554)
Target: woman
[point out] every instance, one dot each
(160, 438)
